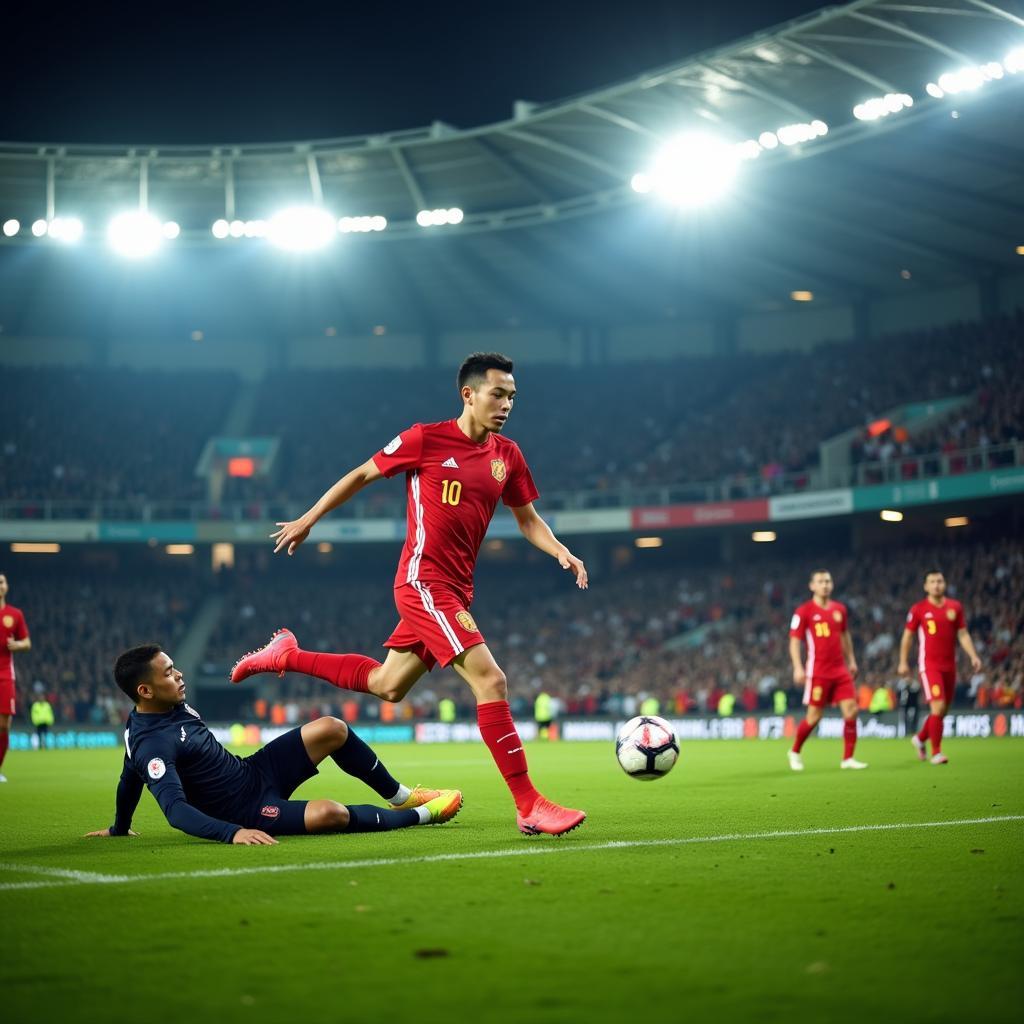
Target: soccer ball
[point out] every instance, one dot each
(646, 748)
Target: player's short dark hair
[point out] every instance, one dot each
(133, 666)
(934, 572)
(473, 370)
(816, 572)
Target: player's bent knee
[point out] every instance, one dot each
(326, 816)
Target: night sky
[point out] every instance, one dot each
(225, 73)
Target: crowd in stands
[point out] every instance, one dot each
(751, 422)
(80, 623)
(109, 435)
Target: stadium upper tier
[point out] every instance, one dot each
(702, 429)
(861, 140)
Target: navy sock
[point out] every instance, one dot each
(357, 759)
(366, 818)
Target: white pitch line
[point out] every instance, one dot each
(67, 878)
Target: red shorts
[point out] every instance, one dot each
(6, 696)
(938, 684)
(435, 624)
(819, 693)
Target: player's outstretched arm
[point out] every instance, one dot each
(291, 535)
(539, 534)
(104, 832)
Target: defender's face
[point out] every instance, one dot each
(491, 402)
(3, 585)
(821, 585)
(165, 684)
(935, 585)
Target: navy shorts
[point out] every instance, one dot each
(279, 769)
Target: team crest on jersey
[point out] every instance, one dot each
(838, 616)
(465, 620)
(950, 614)
(269, 811)
(498, 469)
(9, 619)
(156, 769)
(393, 445)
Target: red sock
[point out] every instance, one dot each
(926, 730)
(346, 671)
(935, 731)
(5, 739)
(803, 730)
(849, 737)
(499, 733)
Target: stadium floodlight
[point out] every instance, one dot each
(1014, 60)
(171, 229)
(11, 227)
(39, 228)
(693, 169)
(768, 140)
(455, 215)
(882, 106)
(962, 80)
(65, 229)
(934, 91)
(436, 218)
(378, 223)
(135, 234)
(255, 229)
(749, 150)
(220, 228)
(301, 228)
(236, 229)
(640, 182)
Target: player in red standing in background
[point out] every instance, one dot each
(13, 637)
(456, 471)
(822, 624)
(939, 623)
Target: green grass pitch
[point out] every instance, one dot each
(672, 902)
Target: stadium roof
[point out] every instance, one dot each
(554, 233)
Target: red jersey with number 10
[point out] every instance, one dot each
(936, 626)
(452, 486)
(821, 629)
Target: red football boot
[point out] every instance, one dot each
(272, 657)
(550, 818)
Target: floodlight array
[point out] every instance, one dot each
(438, 218)
(882, 106)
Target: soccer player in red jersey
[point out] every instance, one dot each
(939, 624)
(13, 637)
(456, 471)
(822, 624)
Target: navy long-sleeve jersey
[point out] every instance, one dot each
(199, 786)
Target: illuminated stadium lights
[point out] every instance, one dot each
(171, 229)
(882, 106)
(802, 296)
(301, 229)
(65, 229)
(749, 150)
(39, 228)
(236, 229)
(135, 234)
(11, 227)
(362, 224)
(692, 170)
(889, 515)
(954, 521)
(793, 134)
(435, 218)
(1014, 61)
(768, 140)
(220, 229)
(969, 79)
(763, 536)
(255, 229)
(963, 80)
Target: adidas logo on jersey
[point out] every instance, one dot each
(449, 464)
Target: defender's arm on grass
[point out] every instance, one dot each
(539, 534)
(292, 534)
